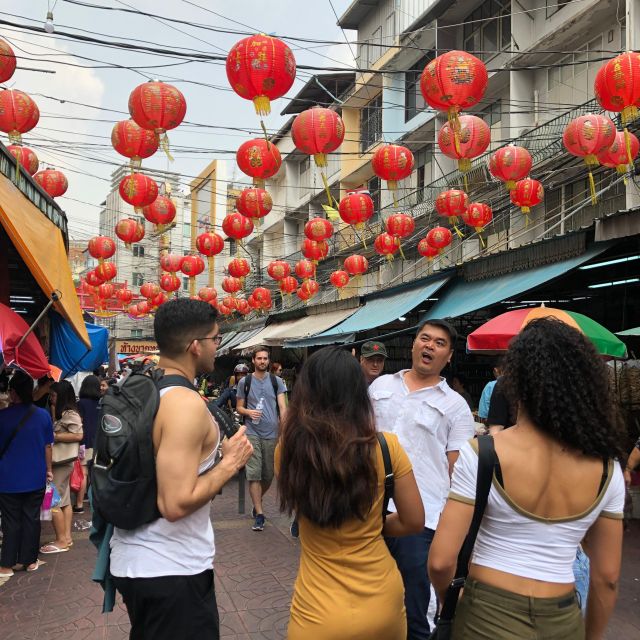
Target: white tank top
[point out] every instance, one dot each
(161, 548)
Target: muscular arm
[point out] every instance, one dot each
(282, 405)
(252, 414)
(184, 424)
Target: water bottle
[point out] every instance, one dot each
(259, 408)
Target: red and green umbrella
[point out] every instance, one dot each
(495, 335)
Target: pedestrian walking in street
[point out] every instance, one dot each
(432, 422)
(557, 478)
(26, 436)
(164, 569)
(372, 358)
(67, 435)
(331, 473)
(261, 401)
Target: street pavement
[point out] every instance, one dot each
(254, 581)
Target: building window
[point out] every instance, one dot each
(413, 100)
(424, 171)
(138, 251)
(371, 123)
(304, 176)
(185, 284)
(136, 333)
(577, 69)
(374, 191)
(137, 279)
(487, 30)
(233, 247)
(553, 6)
(186, 229)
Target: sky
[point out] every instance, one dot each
(75, 138)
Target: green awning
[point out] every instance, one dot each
(629, 332)
(465, 297)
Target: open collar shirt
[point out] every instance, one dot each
(429, 422)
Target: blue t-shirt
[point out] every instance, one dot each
(268, 425)
(485, 400)
(23, 467)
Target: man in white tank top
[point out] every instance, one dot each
(164, 569)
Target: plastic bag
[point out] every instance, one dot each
(55, 496)
(45, 508)
(77, 476)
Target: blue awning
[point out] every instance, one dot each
(465, 297)
(376, 312)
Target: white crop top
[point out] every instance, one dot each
(515, 541)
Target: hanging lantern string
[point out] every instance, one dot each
(401, 251)
(163, 139)
(479, 231)
(592, 188)
(627, 142)
(454, 125)
(264, 131)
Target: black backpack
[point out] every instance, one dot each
(247, 386)
(123, 475)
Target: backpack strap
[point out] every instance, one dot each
(175, 380)
(247, 386)
(486, 464)
(274, 384)
(27, 414)
(388, 474)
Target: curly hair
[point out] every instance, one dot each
(554, 373)
(327, 464)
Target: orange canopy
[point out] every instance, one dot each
(40, 244)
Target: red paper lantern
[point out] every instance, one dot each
(143, 308)
(230, 302)
(239, 268)
(149, 290)
(209, 244)
(478, 215)
(439, 238)
(170, 282)
(308, 289)
(617, 155)
(101, 248)
(157, 106)
(237, 226)
(231, 284)
(93, 279)
(105, 291)
(510, 164)
(305, 269)
(288, 285)
(254, 203)
(527, 194)
(356, 264)
(617, 85)
(392, 162)
(7, 61)
(192, 266)
(25, 156)
(261, 68)
(339, 279)
(158, 299)
(132, 141)
(278, 269)
(426, 250)
(138, 190)
(170, 262)
(207, 294)
(52, 182)
(106, 271)
(129, 231)
(472, 139)
(317, 131)
(356, 208)
(451, 204)
(242, 306)
(400, 224)
(314, 251)
(386, 244)
(259, 159)
(587, 136)
(263, 296)
(125, 296)
(253, 303)
(18, 114)
(161, 213)
(318, 229)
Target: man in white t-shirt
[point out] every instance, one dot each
(432, 422)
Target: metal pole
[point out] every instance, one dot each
(55, 296)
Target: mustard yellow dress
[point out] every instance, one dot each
(348, 585)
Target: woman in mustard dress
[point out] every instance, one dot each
(331, 474)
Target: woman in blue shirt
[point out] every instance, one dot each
(26, 434)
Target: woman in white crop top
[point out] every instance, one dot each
(557, 484)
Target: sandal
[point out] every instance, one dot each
(50, 547)
(34, 566)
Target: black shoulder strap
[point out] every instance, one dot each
(175, 380)
(486, 462)
(274, 384)
(388, 475)
(16, 430)
(247, 386)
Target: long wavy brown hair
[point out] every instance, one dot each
(327, 465)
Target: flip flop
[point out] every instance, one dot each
(38, 564)
(53, 548)
(6, 575)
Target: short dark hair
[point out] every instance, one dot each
(179, 322)
(90, 388)
(443, 324)
(258, 350)
(21, 384)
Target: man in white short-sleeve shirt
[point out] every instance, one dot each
(432, 422)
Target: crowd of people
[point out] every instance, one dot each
(344, 440)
